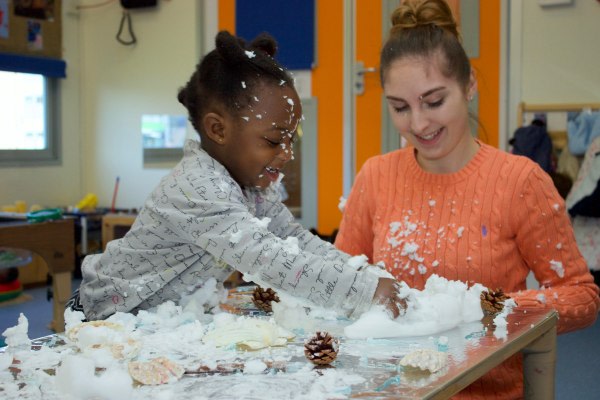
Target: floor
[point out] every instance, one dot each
(577, 370)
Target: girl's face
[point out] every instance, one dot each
(430, 111)
(261, 137)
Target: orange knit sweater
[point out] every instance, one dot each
(492, 222)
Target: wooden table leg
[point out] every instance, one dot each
(539, 363)
(61, 287)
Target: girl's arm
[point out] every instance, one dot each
(223, 227)
(284, 225)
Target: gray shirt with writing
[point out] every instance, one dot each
(199, 224)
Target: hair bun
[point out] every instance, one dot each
(230, 48)
(404, 17)
(182, 96)
(265, 43)
(234, 50)
(416, 13)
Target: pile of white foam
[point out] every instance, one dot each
(442, 305)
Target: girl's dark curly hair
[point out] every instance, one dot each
(229, 74)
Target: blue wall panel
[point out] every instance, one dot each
(290, 22)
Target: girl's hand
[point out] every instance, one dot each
(387, 294)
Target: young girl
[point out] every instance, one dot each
(454, 206)
(219, 209)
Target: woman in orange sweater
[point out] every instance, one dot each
(451, 205)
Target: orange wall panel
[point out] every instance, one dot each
(227, 15)
(368, 105)
(487, 68)
(328, 88)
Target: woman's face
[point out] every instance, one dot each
(430, 111)
(262, 135)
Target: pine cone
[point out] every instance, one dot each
(492, 302)
(321, 349)
(262, 298)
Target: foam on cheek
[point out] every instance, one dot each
(291, 109)
(291, 153)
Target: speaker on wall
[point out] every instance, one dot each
(138, 3)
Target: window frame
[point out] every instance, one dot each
(154, 157)
(51, 155)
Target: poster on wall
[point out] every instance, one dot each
(3, 19)
(35, 40)
(38, 9)
(31, 27)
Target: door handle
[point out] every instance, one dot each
(359, 77)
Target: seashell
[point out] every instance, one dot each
(120, 351)
(74, 331)
(425, 360)
(157, 371)
(251, 333)
(117, 342)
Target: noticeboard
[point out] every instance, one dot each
(31, 27)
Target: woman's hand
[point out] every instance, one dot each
(387, 294)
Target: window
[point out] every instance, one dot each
(163, 137)
(28, 134)
(163, 131)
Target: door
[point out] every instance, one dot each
(368, 130)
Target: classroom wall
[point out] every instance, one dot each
(59, 184)
(121, 83)
(554, 56)
(561, 61)
(107, 89)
